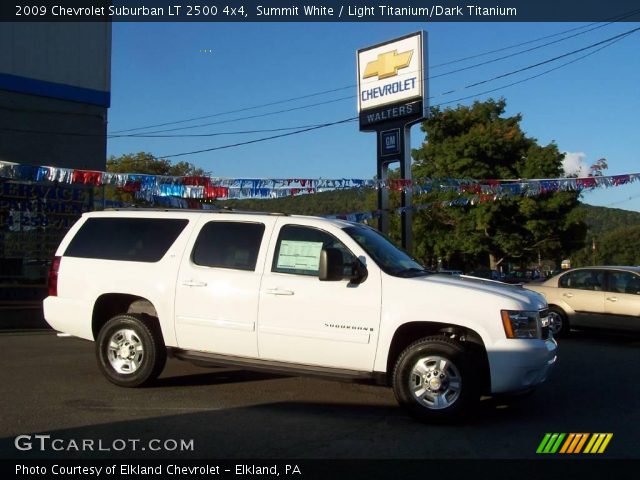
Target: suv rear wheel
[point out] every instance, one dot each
(435, 379)
(130, 350)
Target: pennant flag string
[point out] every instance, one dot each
(150, 187)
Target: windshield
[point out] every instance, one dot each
(390, 258)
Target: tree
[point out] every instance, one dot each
(479, 142)
(616, 247)
(146, 164)
(597, 169)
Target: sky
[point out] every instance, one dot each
(170, 72)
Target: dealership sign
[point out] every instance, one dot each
(391, 81)
(392, 96)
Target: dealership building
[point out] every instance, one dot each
(54, 93)
(54, 97)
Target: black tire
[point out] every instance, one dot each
(451, 393)
(557, 316)
(130, 350)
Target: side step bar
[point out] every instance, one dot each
(270, 366)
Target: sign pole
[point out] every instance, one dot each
(406, 196)
(392, 97)
(383, 198)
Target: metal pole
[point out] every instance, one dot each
(406, 196)
(383, 198)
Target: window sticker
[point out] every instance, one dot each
(299, 255)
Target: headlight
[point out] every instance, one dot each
(520, 324)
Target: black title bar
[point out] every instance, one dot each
(293, 469)
(319, 11)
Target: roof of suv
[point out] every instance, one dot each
(192, 210)
(184, 212)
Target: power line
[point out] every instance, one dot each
(215, 134)
(476, 65)
(608, 43)
(267, 114)
(324, 92)
(502, 49)
(533, 76)
(529, 67)
(261, 139)
(432, 97)
(605, 43)
(442, 94)
(622, 201)
(278, 102)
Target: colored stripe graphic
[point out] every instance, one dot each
(544, 441)
(598, 442)
(578, 443)
(574, 443)
(550, 443)
(567, 443)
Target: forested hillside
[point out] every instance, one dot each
(613, 237)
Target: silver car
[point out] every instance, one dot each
(603, 297)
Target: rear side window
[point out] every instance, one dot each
(583, 280)
(624, 282)
(128, 239)
(228, 245)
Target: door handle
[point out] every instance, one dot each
(194, 283)
(612, 299)
(278, 291)
(568, 295)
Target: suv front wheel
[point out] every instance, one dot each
(130, 350)
(435, 379)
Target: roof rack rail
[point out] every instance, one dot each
(191, 210)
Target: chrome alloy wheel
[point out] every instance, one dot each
(125, 351)
(555, 322)
(435, 382)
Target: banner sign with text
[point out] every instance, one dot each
(322, 11)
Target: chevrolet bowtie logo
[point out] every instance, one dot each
(388, 64)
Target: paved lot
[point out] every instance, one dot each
(51, 385)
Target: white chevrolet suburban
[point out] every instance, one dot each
(291, 294)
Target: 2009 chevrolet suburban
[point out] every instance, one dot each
(291, 294)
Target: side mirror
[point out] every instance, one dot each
(331, 266)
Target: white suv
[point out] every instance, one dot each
(291, 294)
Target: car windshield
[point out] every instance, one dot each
(390, 258)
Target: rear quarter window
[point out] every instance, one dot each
(127, 239)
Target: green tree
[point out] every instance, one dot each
(617, 247)
(146, 164)
(479, 142)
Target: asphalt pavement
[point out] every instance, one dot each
(52, 386)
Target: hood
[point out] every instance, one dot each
(467, 284)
